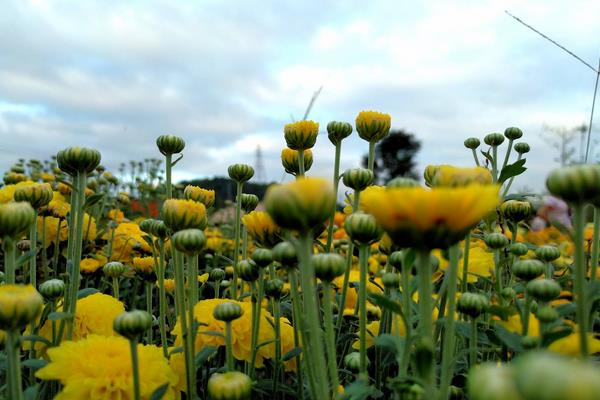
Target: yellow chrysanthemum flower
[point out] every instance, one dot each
(169, 285)
(58, 206)
(128, 236)
(570, 345)
(144, 265)
(451, 176)
(241, 335)
(92, 264)
(179, 214)
(481, 263)
(289, 160)
(429, 218)
(262, 228)
(301, 135)
(204, 196)
(47, 177)
(109, 376)
(373, 126)
(7, 192)
(351, 294)
(373, 331)
(513, 324)
(52, 227)
(116, 215)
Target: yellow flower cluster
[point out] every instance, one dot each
(127, 237)
(262, 228)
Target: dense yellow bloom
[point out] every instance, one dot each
(481, 263)
(261, 227)
(7, 192)
(169, 285)
(204, 196)
(570, 345)
(301, 135)
(514, 324)
(241, 331)
(58, 206)
(116, 215)
(128, 236)
(398, 328)
(450, 176)
(351, 294)
(429, 218)
(47, 177)
(99, 368)
(373, 125)
(144, 265)
(52, 227)
(92, 264)
(184, 214)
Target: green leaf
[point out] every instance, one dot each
(58, 315)
(92, 200)
(160, 392)
(292, 353)
(359, 390)
(34, 363)
(509, 339)
(23, 258)
(555, 335)
(176, 161)
(36, 338)
(511, 170)
(204, 355)
(86, 292)
(385, 302)
(394, 344)
(31, 393)
(488, 156)
(176, 350)
(266, 342)
(408, 258)
(211, 333)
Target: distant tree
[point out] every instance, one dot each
(395, 156)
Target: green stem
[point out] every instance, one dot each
(298, 327)
(135, 368)
(475, 157)
(244, 242)
(15, 390)
(277, 328)
(406, 303)
(56, 250)
(115, 285)
(448, 346)
(10, 262)
(371, 159)
(362, 306)
(162, 297)
(595, 245)
(181, 315)
(336, 183)
(229, 346)
(498, 271)
(495, 164)
(579, 278)
(149, 308)
(526, 311)
(313, 335)
(168, 166)
(507, 156)
(507, 188)
(425, 311)
(44, 251)
(236, 234)
(465, 270)
(256, 311)
(301, 170)
(330, 335)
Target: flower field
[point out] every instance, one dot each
(455, 288)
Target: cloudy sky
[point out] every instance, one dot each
(227, 75)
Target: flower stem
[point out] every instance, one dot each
(313, 335)
(149, 308)
(135, 368)
(507, 156)
(465, 270)
(579, 278)
(44, 251)
(448, 346)
(507, 188)
(298, 328)
(595, 245)
(229, 346)
(10, 263)
(33, 250)
(256, 311)
(336, 184)
(362, 318)
(277, 329)
(371, 159)
(162, 305)
(473, 343)
(236, 234)
(425, 311)
(475, 157)
(526, 311)
(406, 304)
(182, 317)
(301, 171)
(168, 165)
(115, 285)
(495, 164)
(15, 390)
(330, 335)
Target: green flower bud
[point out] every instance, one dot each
(402, 182)
(352, 361)
(395, 259)
(18, 169)
(576, 184)
(159, 229)
(19, 306)
(519, 249)
(204, 196)
(301, 135)
(291, 162)
(530, 342)
(132, 324)
(249, 202)
(15, 219)
(146, 225)
(262, 257)
(390, 280)
(338, 131)
(170, 144)
(52, 289)
(73, 160)
(516, 211)
(240, 172)
(373, 126)
(285, 254)
(189, 241)
(362, 228)
(547, 314)
(522, 148)
(232, 385)
(528, 270)
(543, 290)
(328, 266)
(472, 143)
(92, 184)
(36, 194)
(508, 293)
(114, 269)
(227, 311)
(358, 178)
(274, 288)
(513, 133)
(472, 304)
(429, 173)
(217, 274)
(491, 381)
(547, 253)
(493, 139)
(247, 270)
(496, 241)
